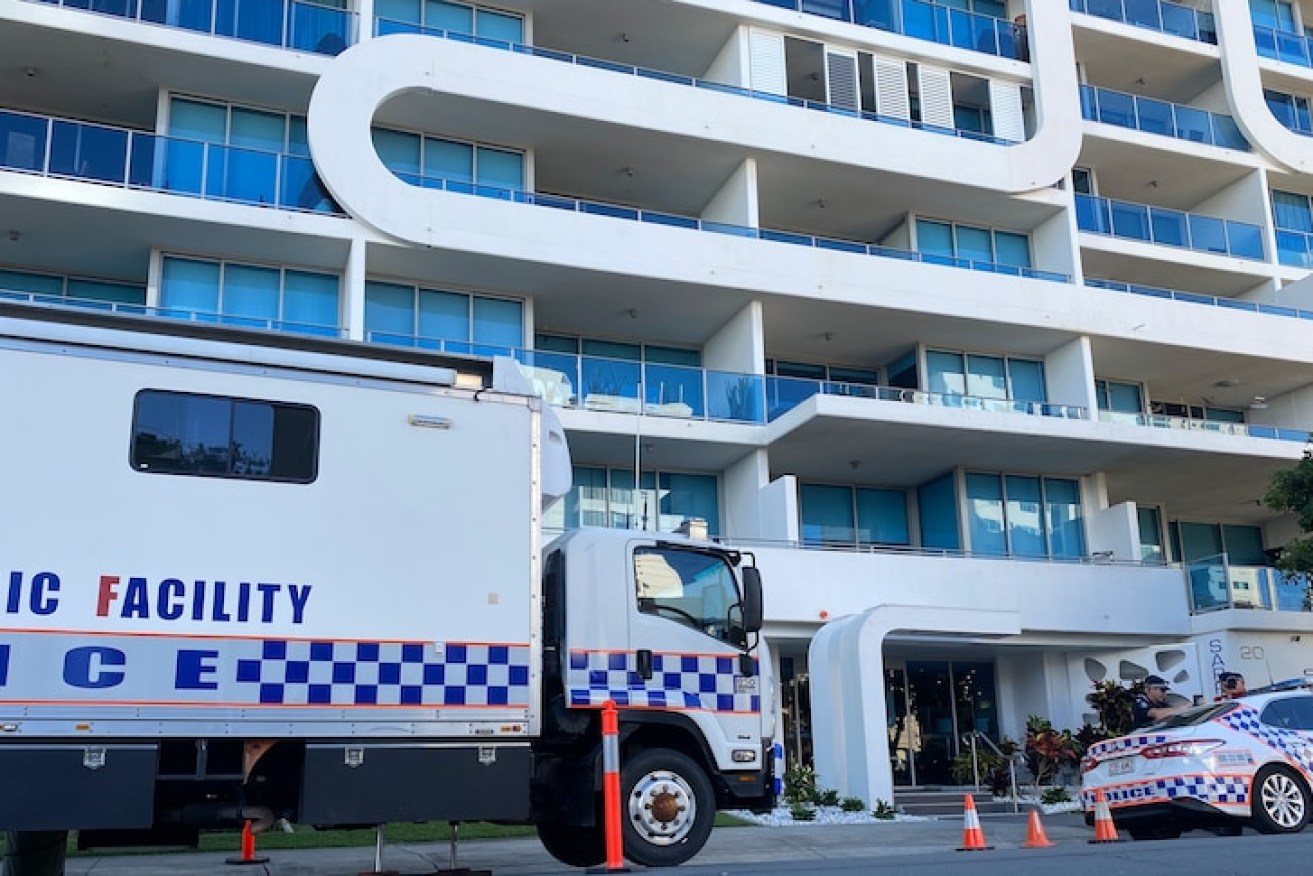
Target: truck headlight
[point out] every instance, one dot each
(744, 755)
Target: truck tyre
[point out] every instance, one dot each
(1278, 801)
(574, 846)
(667, 808)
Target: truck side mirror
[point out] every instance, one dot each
(752, 605)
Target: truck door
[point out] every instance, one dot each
(688, 639)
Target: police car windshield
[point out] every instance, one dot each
(1195, 716)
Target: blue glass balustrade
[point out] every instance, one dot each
(1210, 300)
(1280, 45)
(291, 24)
(1160, 117)
(783, 394)
(139, 160)
(922, 20)
(1168, 18)
(1160, 225)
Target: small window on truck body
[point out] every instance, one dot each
(217, 436)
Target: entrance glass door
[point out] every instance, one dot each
(944, 701)
(904, 731)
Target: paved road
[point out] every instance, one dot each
(929, 846)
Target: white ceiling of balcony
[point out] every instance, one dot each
(1141, 61)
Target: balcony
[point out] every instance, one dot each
(1214, 584)
(1280, 45)
(1168, 18)
(924, 21)
(783, 394)
(1194, 424)
(1295, 248)
(1160, 117)
(248, 321)
(65, 149)
(385, 26)
(1192, 231)
(289, 24)
(1210, 300)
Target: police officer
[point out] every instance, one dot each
(1232, 685)
(1150, 705)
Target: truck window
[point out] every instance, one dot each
(217, 436)
(691, 587)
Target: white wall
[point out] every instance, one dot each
(1069, 375)
(736, 201)
(730, 66)
(778, 510)
(739, 344)
(1114, 529)
(741, 492)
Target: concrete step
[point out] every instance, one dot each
(947, 802)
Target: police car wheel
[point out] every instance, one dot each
(667, 808)
(1279, 801)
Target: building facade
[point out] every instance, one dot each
(983, 323)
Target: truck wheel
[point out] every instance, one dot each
(574, 846)
(1278, 801)
(667, 808)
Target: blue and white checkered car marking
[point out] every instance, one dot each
(703, 682)
(1289, 744)
(307, 673)
(1221, 791)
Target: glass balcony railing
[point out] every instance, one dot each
(1295, 248)
(1168, 18)
(384, 26)
(783, 394)
(290, 24)
(137, 160)
(1281, 45)
(1214, 584)
(1194, 424)
(1165, 227)
(1161, 117)
(1196, 298)
(186, 314)
(935, 22)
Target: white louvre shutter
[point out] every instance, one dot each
(766, 62)
(841, 79)
(1005, 108)
(891, 88)
(936, 97)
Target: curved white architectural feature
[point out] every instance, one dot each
(1244, 91)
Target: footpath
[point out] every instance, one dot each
(526, 857)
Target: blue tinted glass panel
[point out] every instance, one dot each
(1244, 545)
(612, 349)
(22, 141)
(1207, 234)
(1012, 249)
(673, 391)
(399, 151)
(1130, 220)
(198, 121)
(497, 167)
(499, 26)
(1244, 240)
(260, 21)
(1155, 116)
(986, 376)
(684, 496)
(882, 517)
(975, 244)
(1066, 531)
(39, 284)
(449, 160)
(1169, 227)
(409, 11)
(258, 130)
(88, 152)
(449, 16)
(937, 506)
(91, 290)
(251, 292)
(498, 322)
(444, 315)
(1116, 108)
(827, 514)
(190, 285)
(1125, 398)
(390, 311)
(1027, 378)
(934, 238)
(945, 372)
(985, 514)
(309, 298)
(1291, 211)
(1025, 518)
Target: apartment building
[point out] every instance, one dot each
(982, 323)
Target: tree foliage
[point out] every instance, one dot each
(1291, 491)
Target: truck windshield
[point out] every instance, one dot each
(691, 587)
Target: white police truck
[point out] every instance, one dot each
(249, 576)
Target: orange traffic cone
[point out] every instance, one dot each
(1035, 836)
(248, 855)
(1104, 830)
(973, 838)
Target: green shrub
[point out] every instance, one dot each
(884, 811)
(802, 812)
(852, 804)
(828, 797)
(800, 784)
(1055, 795)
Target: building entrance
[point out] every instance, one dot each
(931, 705)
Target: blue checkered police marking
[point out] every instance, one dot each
(1288, 742)
(679, 681)
(387, 673)
(1211, 789)
(1124, 745)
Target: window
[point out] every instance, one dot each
(1275, 14)
(422, 160)
(1151, 534)
(257, 296)
(982, 246)
(662, 502)
(937, 504)
(981, 376)
(1292, 713)
(1243, 545)
(852, 515)
(1290, 110)
(409, 16)
(694, 588)
(1123, 398)
(69, 290)
(1024, 516)
(216, 436)
(1082, 180)
(436, 319)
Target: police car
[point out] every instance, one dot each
(1221, 765)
